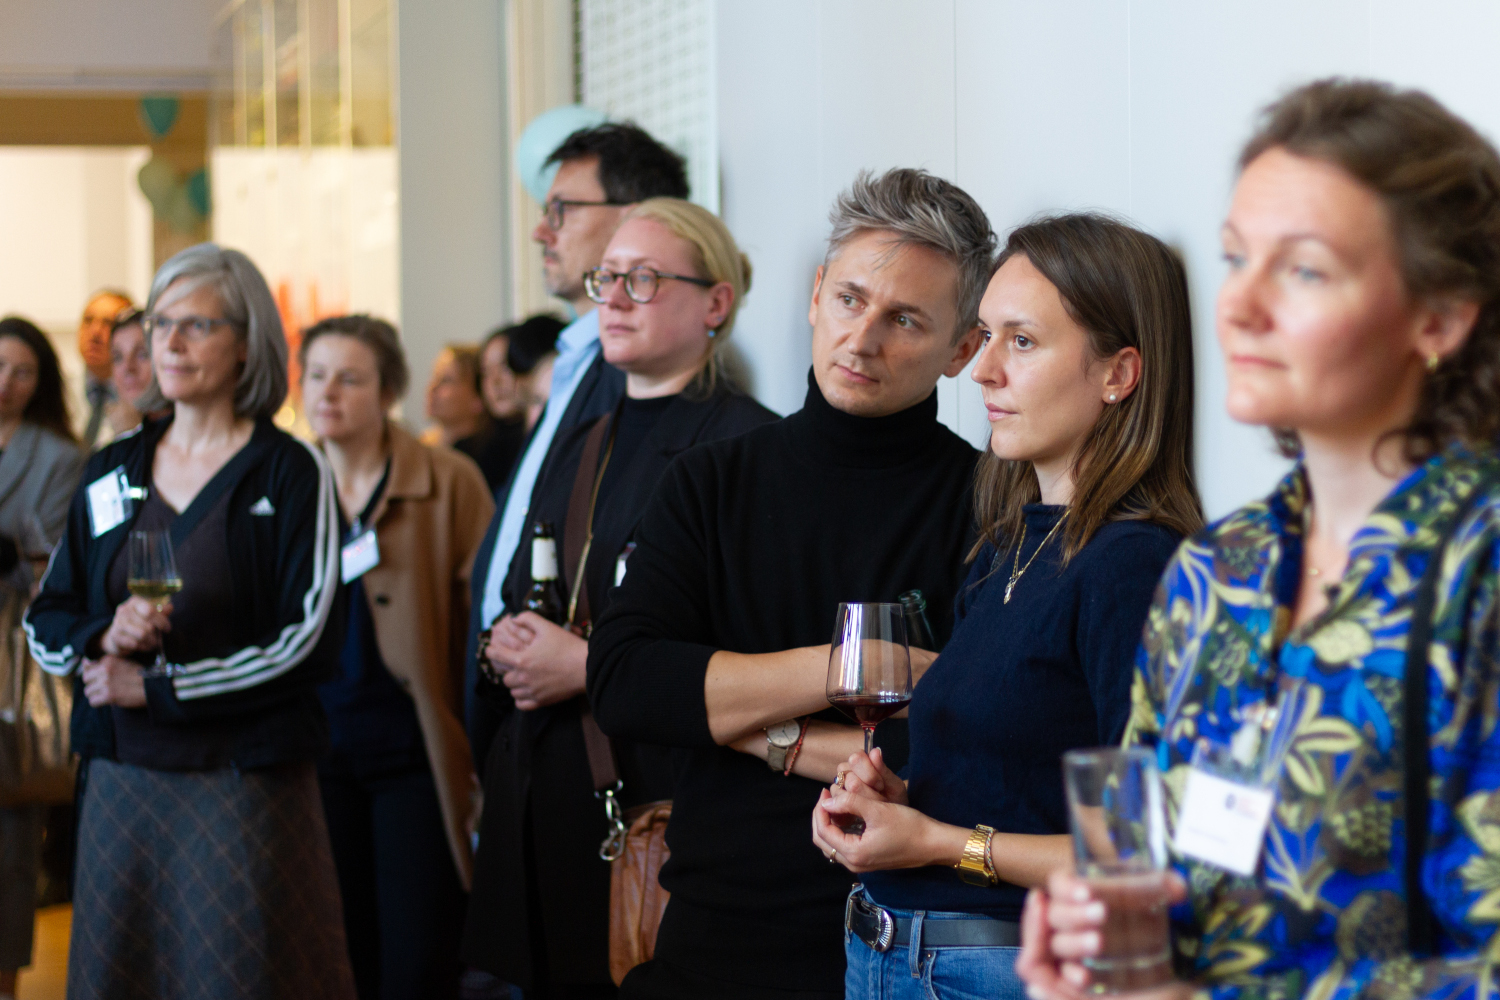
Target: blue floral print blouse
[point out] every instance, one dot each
(1325, 917)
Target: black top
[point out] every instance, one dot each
(1019, 684)
(261, 664)
(202, 559)
(372, 721)
(495, 449)
(541, 893)
(749, 545)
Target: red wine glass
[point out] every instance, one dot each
(869, 670)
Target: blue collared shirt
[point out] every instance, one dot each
(577, 346)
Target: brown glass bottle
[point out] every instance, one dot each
(546, 595)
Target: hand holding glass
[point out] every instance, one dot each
(153, 575)
(869, 669)
(1120, 846)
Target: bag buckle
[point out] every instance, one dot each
(613, 846)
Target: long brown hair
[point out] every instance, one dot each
(1126, 289)
(48, 406)
(1439, 180)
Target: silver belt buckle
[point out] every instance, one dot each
(882, 942)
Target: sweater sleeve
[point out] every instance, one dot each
(649, 652)
(1112, 614)
(306, 554)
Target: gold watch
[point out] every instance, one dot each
(974, 867)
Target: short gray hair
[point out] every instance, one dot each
(248, 306)
(915, 207)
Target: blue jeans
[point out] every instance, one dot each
(913, 972)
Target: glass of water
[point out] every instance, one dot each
(1120, 845)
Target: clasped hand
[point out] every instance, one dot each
(112, 679)
(541, 663)
(895, 835)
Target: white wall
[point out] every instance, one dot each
(105, 44)
(453, 178)
(1132, 106)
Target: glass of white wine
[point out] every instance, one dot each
(153, 575)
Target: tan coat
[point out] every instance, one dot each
(429, 522)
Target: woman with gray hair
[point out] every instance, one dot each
(203, 860)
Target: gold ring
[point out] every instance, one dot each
(839, 780)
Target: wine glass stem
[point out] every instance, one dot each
(869, 738)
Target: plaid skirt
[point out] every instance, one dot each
(205, 884)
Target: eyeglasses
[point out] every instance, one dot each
(641, 283)
(557, 208)
(192, 328)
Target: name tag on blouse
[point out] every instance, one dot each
(360, 556)
(1231, 790)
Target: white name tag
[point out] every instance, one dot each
(360, 556)
(110, 501)
(1223, 822)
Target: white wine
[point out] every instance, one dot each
(155, 591)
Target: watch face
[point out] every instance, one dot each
(784, 734)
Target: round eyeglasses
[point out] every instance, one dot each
(641, 283)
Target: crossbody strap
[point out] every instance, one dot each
(578, 537)
(1421, 924)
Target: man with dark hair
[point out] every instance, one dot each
(715, 640)
(601, 171)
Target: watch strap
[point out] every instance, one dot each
(974, 865)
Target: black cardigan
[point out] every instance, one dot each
(749, 545)
(537, 770)
(283, 545)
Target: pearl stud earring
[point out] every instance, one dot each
(1112, 397)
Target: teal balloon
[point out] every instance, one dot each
(181, 214)
(197, 191)
(545, 133)
(158, 181)
(159, 112)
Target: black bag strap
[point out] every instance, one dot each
(1421, 924)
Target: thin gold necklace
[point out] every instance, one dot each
(1017, 570)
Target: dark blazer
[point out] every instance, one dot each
(597, 393)
(537, 772)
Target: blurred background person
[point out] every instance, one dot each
(455, 398)
(503, 395)
(94, 329)
(39, 468)
(531, 356)
(130, 369)
(398, 778)
(201, 809)
(669, 286)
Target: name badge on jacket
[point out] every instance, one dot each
(360, 556)
(111, 501)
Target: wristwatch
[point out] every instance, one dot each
(781, 737)
(974, 866)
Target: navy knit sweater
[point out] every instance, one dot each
(1017, 685)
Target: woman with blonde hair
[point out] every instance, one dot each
(668, 286)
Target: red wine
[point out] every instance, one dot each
(870, 710)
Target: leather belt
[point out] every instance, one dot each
(882, 930)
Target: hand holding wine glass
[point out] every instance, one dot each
(869, 668)
(153, 577)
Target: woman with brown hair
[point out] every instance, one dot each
(1360, 319)
(1087, 372)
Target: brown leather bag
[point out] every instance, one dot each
(636, 846)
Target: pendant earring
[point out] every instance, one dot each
(1432, 362)
(711, 334)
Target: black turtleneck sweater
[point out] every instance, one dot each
(749, 545)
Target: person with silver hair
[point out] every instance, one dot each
(203, 859)
(716, 641)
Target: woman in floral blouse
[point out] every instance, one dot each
(1360, 318)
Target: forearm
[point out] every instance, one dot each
(745, 692)
(1018, 858)
(825, 746)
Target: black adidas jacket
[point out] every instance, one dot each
(284, 550)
